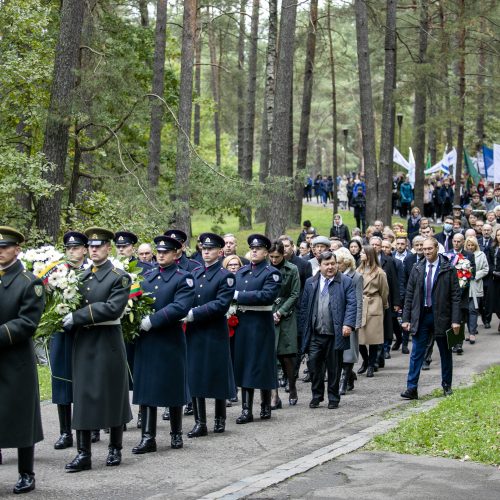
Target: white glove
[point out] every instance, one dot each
(68, 320)
(190, 316)
(235, 297)
(146, 324)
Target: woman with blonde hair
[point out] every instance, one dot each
(476, 290)
(375, 301)
(347, 266)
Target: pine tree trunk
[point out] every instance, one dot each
(420, 105)
(248, 145)
(55, 146)
(267, 114)
(156, 123)
(180, 195)
(445, 45)
(143, 10)
(240, 92)
(461, 98)
(481, 68)
(197, 81)
(214, 83)
(384, 202)
(433, 109)
(366, 104)
(305, 117)
(277, 216)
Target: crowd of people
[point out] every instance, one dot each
(224, 325)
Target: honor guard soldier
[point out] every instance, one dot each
(160, 366)
(207, 335)
(257, 286)
(22, 299)
(61, 349)
(100, 378)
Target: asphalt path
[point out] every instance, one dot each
(211, 463)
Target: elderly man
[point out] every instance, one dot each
(145, 253)
(230, 247)
(327, 318)
(432, 306)
(319, 245)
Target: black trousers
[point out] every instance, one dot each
(321, 354)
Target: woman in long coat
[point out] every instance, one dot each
(492, 302)
(285, 319)
(375, 301)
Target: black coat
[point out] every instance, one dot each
(210, 371)
(22, 299)
(408, 263)
(160, 364)
(100, 374)
(493, 293)
(445, 297)
(341, 232)
(447, 243)
(305, 270)
(389, 267)
(254, 337)
(187, 264)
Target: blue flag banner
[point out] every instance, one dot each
(488, 159)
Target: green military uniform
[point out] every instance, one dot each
(22, 303)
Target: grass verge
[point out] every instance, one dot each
(465, 425)
(44, 382)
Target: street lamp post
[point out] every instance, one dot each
(400, 125)
(345, 131)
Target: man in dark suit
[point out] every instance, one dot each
(432, 306)
(445, 237)
(485, 241)
(327, 318)
(22, 299)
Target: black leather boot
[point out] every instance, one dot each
(220, 416)
(166, 414)
(343, 383)
(26, 481)
(176, 427)
(188, 410)
(139, 418)
(66, 438)
(265, 405)
(83, 460)
(148, 431)
(246, 406)
(96, 436)
(115, 446)
(200, 418)
(351, 376)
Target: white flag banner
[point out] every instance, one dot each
(496, 163)
(411, 172)
(398, 158)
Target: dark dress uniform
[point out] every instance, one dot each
(210, 369)
(254, 349)
(22, 299)
(100, 378)
(160, 365)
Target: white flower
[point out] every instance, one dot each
(62, 309)
(38, 267)
(69, 293)
(30, 255)
(62, 283)
(53, 281)
(88, 264)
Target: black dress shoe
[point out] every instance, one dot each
(387, 355)
(381, 362)
(166, 414)
(96, 436)
(188, 410)
(307, 378)
(369, 372)
(265, 412)
(228, 403)
(245, 418)
(410, 394)
(277, 406)
(198, 430)
(219, 425)
(114, 457)
(363, 368)
(426, 366)
(487, 325)
(176, 440)
(25, 483)
(292, 401)
(332, 405)
(405, 349)
(314, 403)
(65, 441)
(81, 462)
(459, 350)
(234, 400)
(447, 390)
(396, 345)
(147, 445)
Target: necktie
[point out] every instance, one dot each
(325, 288)
(428, 287)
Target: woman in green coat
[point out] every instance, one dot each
(285, 320)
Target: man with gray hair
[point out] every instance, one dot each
(319, 245)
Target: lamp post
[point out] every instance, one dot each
(345, 131)
(400, 125)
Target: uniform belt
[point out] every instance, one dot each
(106, 323)
(255, 308)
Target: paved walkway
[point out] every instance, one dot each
(207, 465)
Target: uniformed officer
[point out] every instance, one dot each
(22, 300)
(183, 262)
(160, 366)
(100, 378)
(61, 349)
(257, 286)
(209, 358)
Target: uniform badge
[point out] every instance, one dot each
(94, 237)
(276, 277)
(125, 281)
(207, 240)
(1, 237)
(230, 281)
(190, 283)
(71, 239)
(255, 241)
(38, 290)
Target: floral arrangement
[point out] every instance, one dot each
(232, 319)
(37, 259)
(463, 267)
